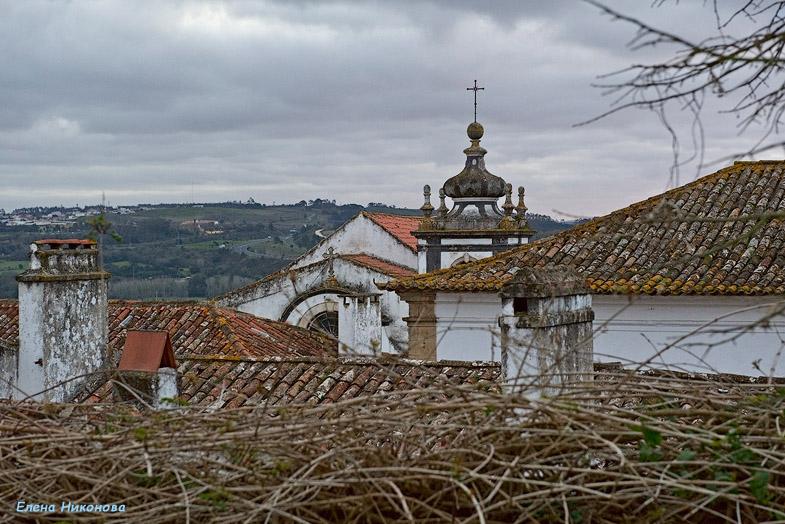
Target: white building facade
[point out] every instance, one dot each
(739, 335)
(332, 288)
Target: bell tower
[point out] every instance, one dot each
(475, 227)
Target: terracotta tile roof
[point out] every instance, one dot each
(315, 381)
(210, 330)
(399, 226)
(723, 234)
(9, 322)
(382, 266)
(197, 328)
(227, 382)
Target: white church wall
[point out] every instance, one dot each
(362, 235)
(633, 330)
(621, 323)
(271, 299)
(467, 326)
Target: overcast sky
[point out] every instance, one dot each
(352, 101)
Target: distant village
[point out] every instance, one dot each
(63, 218)
(56, 217)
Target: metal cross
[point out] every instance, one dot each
(329, 257)
(475, 89)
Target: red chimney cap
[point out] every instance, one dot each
(66, 241)
(147, 351)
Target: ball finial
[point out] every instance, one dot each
(475, 131)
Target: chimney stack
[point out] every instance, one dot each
(546, 329)
(360, 324)
(62, 319)
(147, 373)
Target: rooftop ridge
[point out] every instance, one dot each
(159, 302)
(267, 278)
(283, 271)
(761, 162)
(381, 213)
(409, 244)
(350, 257)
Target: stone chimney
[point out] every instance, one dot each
(360, 324)
(62, 319)
(546, 326)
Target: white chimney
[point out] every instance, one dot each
(547, 336)
(360, 324)
(62, 319)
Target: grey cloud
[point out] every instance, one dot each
(356, 101)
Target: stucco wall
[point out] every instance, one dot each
(727, 345)
(468, 327)
(362, 235)
(360, 330)
(635, 330)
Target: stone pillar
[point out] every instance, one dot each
(360, 324)
(62, 319)
(422, 324)
(546, 322)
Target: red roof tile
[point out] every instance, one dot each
(206, 329)
(399, 226)
(196, 328)
(222, 382)
(382, 266)
(9, 322)
(147, 351)
(722, 234)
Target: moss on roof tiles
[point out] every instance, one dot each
(700, 238)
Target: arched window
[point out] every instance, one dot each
(316, 311)
(325, 322)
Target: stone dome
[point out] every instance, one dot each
(475, 180)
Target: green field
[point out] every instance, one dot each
(12, 265)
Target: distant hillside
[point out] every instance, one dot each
(546, 226)
(201, 250)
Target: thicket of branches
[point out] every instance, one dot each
(624, 448)
(740, 65)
